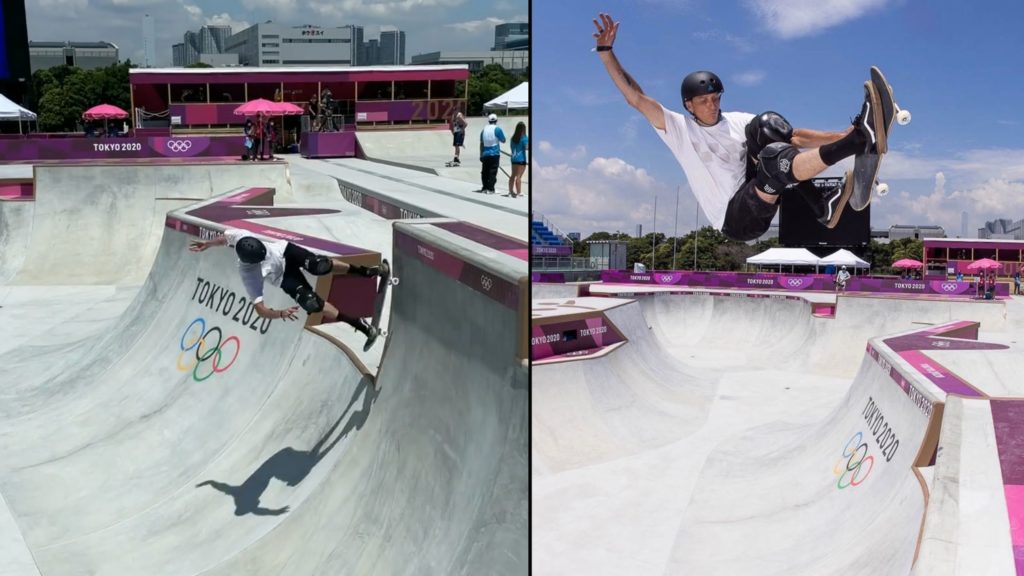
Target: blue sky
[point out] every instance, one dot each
(958, 66)
(430, 25)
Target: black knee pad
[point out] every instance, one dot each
(309, 300)
(767, 128)
(775, 168)
(318, 264)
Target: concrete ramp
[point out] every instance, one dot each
(717, 441)
(842, 496)
(65, 235)
(190, 437)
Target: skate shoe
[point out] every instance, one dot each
(831, 203)
(871, 123)
(372, 333)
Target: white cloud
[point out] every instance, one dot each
(378, 9)
(750, 78)
(225, 19)
(477, 26)
(607, 194)
(796, 18)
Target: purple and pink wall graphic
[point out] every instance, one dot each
(569, 338)
(80, 148)
(1008, 421)
(796, 282)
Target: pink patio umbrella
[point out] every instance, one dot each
(907, 263)
(104, 112)
(257, 106)
(984, 264)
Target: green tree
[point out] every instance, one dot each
(199, 65)
(488, 83)
(64, 92)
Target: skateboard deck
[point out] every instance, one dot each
(865, 166)
(452, 164)
(384, 280)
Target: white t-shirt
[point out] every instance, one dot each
(270, 270)
(713, 157)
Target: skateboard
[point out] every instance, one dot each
(451, 164)
(383, 282)
(884, 109)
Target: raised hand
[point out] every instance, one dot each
(606, 30)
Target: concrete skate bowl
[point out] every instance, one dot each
(102, 224)
(192, 437)
(784, 469)
(781, 332)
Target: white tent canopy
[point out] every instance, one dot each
(844, 258)
(518, 97)
(11, 111)
(785, 256)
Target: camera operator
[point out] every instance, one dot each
(327, 110)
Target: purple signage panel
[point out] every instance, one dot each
(551, 250)
(328, 144)
(822, 282)
(405, 110)
(495, 288)
(30, 149)
(1008, 421)
(552, 277)
(573, 337)
(207, 113)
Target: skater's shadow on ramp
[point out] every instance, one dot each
(291, 466)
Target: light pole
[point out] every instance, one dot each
(675, 230)
(654, 230)
(696, 229)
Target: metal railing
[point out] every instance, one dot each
(538, 217)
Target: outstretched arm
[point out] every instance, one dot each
(199, 245)
(649, 107)
(805, 138)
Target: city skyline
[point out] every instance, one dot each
(432, 25)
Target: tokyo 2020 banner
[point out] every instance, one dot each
(28, 149)
(795, 282)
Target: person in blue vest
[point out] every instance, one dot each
(491, 138)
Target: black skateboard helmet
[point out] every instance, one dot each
(701, 82)
(250, 250)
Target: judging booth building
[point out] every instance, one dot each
(203, 100)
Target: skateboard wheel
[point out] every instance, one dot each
(384, 333)
(393, 281)
(903, 117)
(882, 189)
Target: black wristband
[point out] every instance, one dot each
(604, 48)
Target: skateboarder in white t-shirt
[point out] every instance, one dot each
(737, 163)
(280, 263)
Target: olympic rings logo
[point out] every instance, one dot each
(666, 278)
(949, 287)
(851, 474)
(795, 282)
(179, 145)
(208, 358)
(486, 282)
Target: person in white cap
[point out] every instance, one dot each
(491, 138)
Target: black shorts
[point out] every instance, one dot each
(747, 216)
(519, 163)
(295, 259)
(458, 138)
